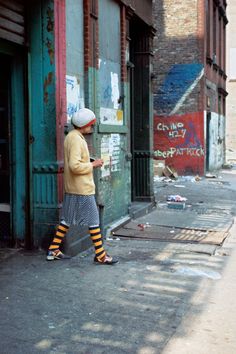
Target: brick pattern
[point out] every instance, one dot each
(91, 45)
(86, 34)
(176, 42)
(181, 38)
(123, 43)
(215, 57)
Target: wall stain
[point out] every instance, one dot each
(50, 47)
(50, 22)
(47, 82)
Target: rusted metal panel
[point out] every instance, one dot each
(133, 230)
(12, 21)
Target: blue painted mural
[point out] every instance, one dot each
(178, 84)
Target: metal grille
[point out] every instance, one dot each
(141, 174)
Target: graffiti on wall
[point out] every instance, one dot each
(178, 84)
(171, 152)
(180, 141)
(111, 92)
(73, 96)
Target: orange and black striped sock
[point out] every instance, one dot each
(96, 237)
(62, 229)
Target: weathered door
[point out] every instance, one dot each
(114, 188)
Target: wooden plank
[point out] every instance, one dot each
(11, 15)
(11, 36)
(17, 6)
(11, 26)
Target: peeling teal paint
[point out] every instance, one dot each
(43, 120)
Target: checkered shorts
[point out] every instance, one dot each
(80, 210)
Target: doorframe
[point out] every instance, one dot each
(19, 152)
(141, 132)
(208, 123)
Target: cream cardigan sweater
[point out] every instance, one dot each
(78, 170)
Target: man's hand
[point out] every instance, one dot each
(97, 163)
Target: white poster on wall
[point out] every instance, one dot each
(106, 156)
(111, 116)
(73, 96)
(110, 153)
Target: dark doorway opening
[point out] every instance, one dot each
(5, 160)
(140, 105)
(208, 124)
(14, 150)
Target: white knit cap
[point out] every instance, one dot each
(83, 118)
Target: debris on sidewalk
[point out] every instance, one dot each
(170, 172)
(197, 178)
(227, 166)
(189, 179)
(160, 170)
(210, 175)
(144, 226)
(176, 202)
(176, 205)
(159, 166)
(176, 198)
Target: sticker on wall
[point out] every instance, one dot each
(111, 116)
(115, 94)
(115, 152)
(73, 96)
(105, 156)
(110, 153)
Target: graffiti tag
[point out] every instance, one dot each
(174, 130)
(195, 152)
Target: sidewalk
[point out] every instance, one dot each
(213, 329)
(154, 301)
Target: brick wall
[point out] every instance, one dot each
(177, 42)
